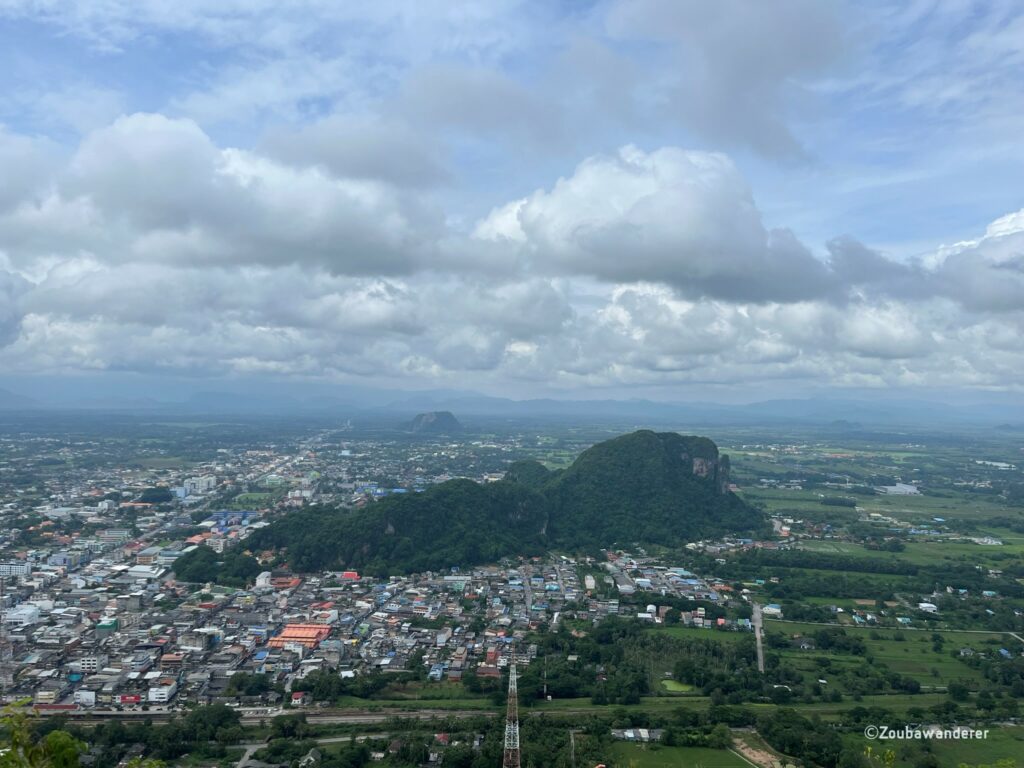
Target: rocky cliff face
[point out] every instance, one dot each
(709, 464)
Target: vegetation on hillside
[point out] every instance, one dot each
(645, 487)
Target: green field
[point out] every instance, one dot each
(1001, 743)
(702, 634)
(674, 686)
(928, 552)
(654, 756)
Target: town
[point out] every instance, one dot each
(123, 598)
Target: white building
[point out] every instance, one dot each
(22, 615)
(163, 691)
(202, 484)
(15, 569)
(92, 663)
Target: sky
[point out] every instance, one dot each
(671, 199)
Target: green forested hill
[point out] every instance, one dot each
(643, 487)
(454, 523)
(660, 488)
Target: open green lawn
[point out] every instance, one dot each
(654, 756)
(674, 686)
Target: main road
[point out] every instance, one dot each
(758, 620)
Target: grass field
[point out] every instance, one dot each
(1001, 743)
(703, 634)
(674, 686)
(913, 656)
(653, 756)
(926, 552)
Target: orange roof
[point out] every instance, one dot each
(308, 635)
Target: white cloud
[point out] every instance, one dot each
(683, 218)
(148, 188)
(153, 247)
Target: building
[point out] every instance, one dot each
(202, 484)
(163, 690)
(92, 663)
(23, 615)
(307, 636)
(15, 568)
(148, 556)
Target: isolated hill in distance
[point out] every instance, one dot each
(434, 423)
(642, 487)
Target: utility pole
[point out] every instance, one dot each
(511, 755)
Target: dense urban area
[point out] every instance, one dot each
(152, 611)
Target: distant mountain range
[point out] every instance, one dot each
(642, 487)
(379, 407)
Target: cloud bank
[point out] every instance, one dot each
(516, 196)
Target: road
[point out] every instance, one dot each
(758, 620)
(250, 749)
(525, 574)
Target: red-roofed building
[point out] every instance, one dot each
(285, 582)
(307, 635)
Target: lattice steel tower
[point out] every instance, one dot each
(511, 757)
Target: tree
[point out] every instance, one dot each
(20, 749)
(720, 737)
(156, 495)
(958, 691)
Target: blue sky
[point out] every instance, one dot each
(659, 196)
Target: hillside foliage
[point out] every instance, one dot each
(642, 487)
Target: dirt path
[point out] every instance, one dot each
(756, 755)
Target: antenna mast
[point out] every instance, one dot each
(511, 756)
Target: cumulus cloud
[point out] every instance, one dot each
(986, 274)
(12, 287)
(26, 164)
(687, 219)
(152, 247)
(366, 148)
(150, 188)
